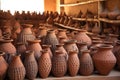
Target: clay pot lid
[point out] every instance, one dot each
(81, 43)
(105, 46)
(73, 52)
(46, 46)
(27, 25)
(33, 41)
(6, 40)
(2, 53)
(108, 42)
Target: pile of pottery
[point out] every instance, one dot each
(57, 52)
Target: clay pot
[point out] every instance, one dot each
(30, 64)
(62, 39)
(3, 66)
(113, 38)
(7, 47)
(96, 29)
(71, 45)
(51, 39)
(44, 64)
(47, 47)
(82, 37)
(73, 63)
(35, 46)
(96, 43)
(104, 13)
(16, 69)
(104, 59)
(59, 64)
(86, 63)
(62, 33)
(26, 34)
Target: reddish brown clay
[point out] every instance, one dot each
(62, 32)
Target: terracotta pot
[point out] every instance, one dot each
(62, 33)
(26, 34)
(35, 46)
(62, 39)
(7, 47)
(30, 64)
(71, 45)
(86, 63)
(82, 37)
(16, 69)
(51, 39)
(113, 38)
(44, 64)
(73, 63)
(59, 64)
(3, 66)
(47, 47)
(96, 29)
(104, 59)
(104, 13)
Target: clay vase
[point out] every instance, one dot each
(71, 45)
(16, 69)
(35, 46)
(26, 34)
(47, 47)
(62, 33)
(30, 64)
(7, 47)
(52, 40)
(96, 29)
(81, 36)
(104, 59)
(59, 64)
(86, 63)
(62, 49)
(44, 64)
(73, 63)
(3, 66)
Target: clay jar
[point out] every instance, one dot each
(62, 39)
(73, 63)
(35, 46)
(26, 34)
(7, 47)
(30, 64)
(59, 64)
(104, 59)
(86, 63)
(47, 47)
(16, 69)
(62, 32)
(44, 64)
(3, 66)
(71, 45)
(81, 36)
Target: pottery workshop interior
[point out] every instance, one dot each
(59, 39)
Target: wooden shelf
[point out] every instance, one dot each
(80, 3)
(86, 19)
(109, 21)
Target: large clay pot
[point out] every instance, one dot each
(86, 63)
(62, 33)
(113, 38)
(30, 64)
(36, 47)
(3, 66)
(104, 59)
(26, 34)
(44, 64)
(52, 40)
(62, 39)
(7, 47)
(59, 64)
(73, 63)
(16, 69)
(71, 45)
(82, 37)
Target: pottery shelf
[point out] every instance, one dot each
(109, 21)
(80, 3)
(86, 19)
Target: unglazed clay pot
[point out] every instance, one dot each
(59, 64)
(62, 33)
(36, 47)
(73, 63)
(44, 64)
(104, 59)
(86, 63)
(30, 64)
(96, 29)
(81, 36)
(7, 47)
(26, 34)
(16, 69)
(3, 66)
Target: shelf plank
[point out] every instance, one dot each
(109, 21)
(86, 19)
(80, 3)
